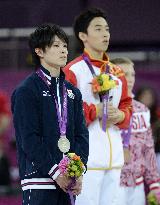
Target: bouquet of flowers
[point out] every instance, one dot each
(71, 166)
(153, 198)
(103, 83)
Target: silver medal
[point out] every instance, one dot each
(64, 144)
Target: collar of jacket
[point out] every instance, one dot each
(96, 62)
(54, 80)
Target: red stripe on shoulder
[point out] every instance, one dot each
(76, 60)
(69, 74)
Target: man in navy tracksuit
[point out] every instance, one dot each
(38, 108)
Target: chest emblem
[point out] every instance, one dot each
(70, 94)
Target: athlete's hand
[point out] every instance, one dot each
(76, 189)
(63, 182)
(99, 108)
(114, 115)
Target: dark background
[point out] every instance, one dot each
(132, 22)
(134, 26)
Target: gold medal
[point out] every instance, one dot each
(64, 144)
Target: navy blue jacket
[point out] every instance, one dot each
(37, 130)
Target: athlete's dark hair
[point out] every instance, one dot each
(43, 37)
(82, 21)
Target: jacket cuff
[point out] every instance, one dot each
(54, 172)
(154, 186)
(125, 123)
(90, 112)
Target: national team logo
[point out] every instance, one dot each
(70, 94)
(46, 93)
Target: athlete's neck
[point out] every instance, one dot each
(95, 54)
(54, 72)
(130, 93)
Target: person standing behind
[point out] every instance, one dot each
(142, 166)
(156, 134)
(49, 121)
(101, 183)
(149, 97)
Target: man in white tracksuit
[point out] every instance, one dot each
(101, 183)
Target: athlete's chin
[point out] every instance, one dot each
(62, 64)
(130, 87)
(104, 48)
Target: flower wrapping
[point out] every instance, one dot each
(71, 166)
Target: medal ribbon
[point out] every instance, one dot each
(62, 118)
(126, 135)
(104, 97)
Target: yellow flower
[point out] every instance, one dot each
(71, 174)
(74, 168)
(105, 77)
(112, 84)
(71, 155)
(103, 83)
(106, 85)
(77, 173)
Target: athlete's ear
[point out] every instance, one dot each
(39, 52)
(82, 36)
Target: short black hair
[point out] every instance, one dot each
(43, 37)
(82, 21)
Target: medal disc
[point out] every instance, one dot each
(63, 144)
